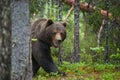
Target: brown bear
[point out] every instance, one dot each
(44, 34)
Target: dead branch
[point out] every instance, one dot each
(85, 24)
(69, 12)
(100, 31)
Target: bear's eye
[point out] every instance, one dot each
(53, 33)
(62, 34)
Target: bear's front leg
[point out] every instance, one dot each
(49, 66)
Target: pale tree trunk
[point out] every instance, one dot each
(21, 54)
(5, 32)
(76, 57)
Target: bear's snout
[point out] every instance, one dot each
(57, 40)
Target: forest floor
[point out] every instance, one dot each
(78, 72)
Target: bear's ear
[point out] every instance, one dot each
(64, 24)
(49, 22)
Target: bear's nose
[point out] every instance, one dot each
(58, 38)
(59, 41)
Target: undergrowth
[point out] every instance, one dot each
(81, 71)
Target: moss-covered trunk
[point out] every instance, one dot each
(5, 32)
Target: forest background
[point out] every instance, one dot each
(98, 38)
(91, 50)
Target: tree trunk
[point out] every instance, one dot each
(42, 8)
(5, 36)
(52, 10)
(107, 21)
(60, 10)
(56, 9)
(48, 10)
(60, 19)
(76, 32)
(21, 55)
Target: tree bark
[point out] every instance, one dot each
(56, 9)
(60, 19)
(21, 54)
(48, 10)
(60, 10)
(106, 32)
(76, 32)
(5, 36)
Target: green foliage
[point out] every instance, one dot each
(81, 71)
(34, 7)
(117, 55)
(115, 58)
(108, 76)
(97, 50)
(97, 54)
(73, 67)
(104, 67)
(85, 57)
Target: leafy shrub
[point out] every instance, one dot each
(97, 53)
(115, 58)
(104, 67)
(117, 55)
(97, 50)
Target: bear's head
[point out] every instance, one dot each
(53, 32)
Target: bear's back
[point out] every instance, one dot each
(36, 26)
